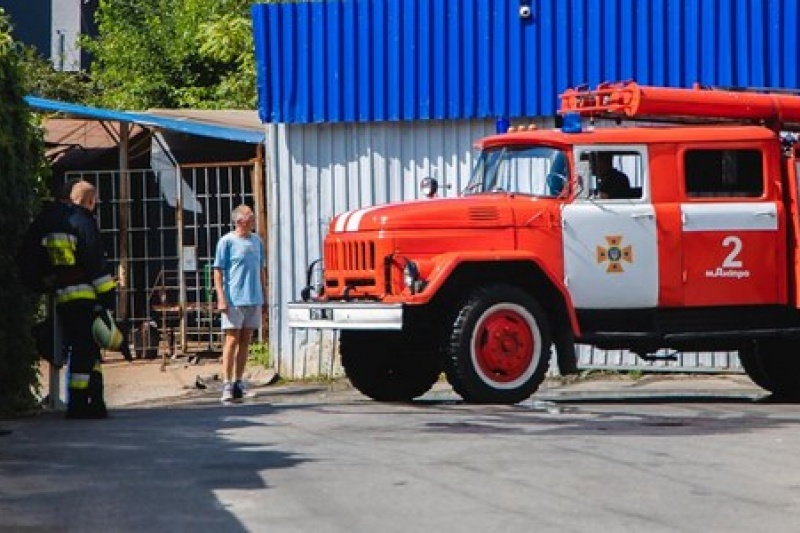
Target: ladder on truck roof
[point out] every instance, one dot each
(779, 110)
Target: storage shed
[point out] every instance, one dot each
(167, 182)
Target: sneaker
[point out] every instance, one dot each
(227, 393)
(239, 390)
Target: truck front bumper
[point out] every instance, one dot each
(345, 315)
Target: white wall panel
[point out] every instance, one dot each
(317, 171)
(65, 31)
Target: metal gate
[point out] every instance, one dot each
(168, 230)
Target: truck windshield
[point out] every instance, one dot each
(534, 170)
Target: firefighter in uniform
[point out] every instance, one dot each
(82, 290)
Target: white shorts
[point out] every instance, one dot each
(245, 316)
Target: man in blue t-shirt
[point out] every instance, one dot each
(240, 282)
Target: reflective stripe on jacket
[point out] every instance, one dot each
(75, 250)
(61, 249)
(70, 293)
(104, 283)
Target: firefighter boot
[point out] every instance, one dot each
(97, 406)
(78, 404)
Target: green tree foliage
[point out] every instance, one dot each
(41, 79)
(22, 167)
(173, 53)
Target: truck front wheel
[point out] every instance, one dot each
(389, 366)
(499, 349)
(773, 365)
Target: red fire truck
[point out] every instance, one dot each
(678, 233)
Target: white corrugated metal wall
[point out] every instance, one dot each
(316, 171)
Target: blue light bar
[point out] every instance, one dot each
(501, 125)
(571, 123)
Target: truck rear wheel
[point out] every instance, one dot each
(773, 365)
(499, 349)
(389, 366)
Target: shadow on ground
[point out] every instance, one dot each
(141, 470)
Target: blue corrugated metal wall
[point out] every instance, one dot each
(375, 60)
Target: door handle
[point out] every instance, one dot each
(641, 215)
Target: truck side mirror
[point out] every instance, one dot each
(428, 187)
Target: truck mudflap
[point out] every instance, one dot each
(349, 315)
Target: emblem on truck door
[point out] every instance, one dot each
(614, 254)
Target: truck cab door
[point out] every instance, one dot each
(609, 244)
(731, 231)
(793, 227)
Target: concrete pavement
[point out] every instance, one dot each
(320, 457)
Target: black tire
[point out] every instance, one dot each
(773, 365)
(389, 366)
(499, 349)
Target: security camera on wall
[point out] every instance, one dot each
(524, 11)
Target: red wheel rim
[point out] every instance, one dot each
(504, 345)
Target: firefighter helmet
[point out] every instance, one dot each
(105, 331)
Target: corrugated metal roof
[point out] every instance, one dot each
(230, 118)
(78, 139)
(66, 132)
(373, 60)
(227, 125)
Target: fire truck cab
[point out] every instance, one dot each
(680, 234)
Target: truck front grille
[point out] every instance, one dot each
(350, 264)
(350, 256)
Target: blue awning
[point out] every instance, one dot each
(251, 134)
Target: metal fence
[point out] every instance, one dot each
(160, 241)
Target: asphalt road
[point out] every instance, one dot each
(664, 456)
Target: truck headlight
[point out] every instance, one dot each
(411, 277)
(410, 274)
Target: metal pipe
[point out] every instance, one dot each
(181, 273)
(259, 202)
(123, 219)
(54, 401)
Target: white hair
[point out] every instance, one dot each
(242, 211)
